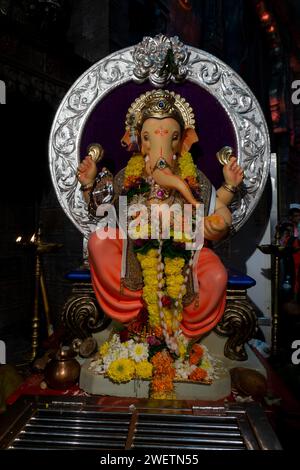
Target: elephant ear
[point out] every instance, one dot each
(130, 141)
(125, 141)
(188, 139)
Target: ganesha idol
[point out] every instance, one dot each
(181, 292)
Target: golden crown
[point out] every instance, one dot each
(160, 104)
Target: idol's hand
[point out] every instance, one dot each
(233, 173)
(87, 171)
(215, 227)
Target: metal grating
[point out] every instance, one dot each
(80, 429)
(36, 424)
(188, 432)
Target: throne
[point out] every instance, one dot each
(226, 113)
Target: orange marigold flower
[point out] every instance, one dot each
(135, 327)
(197, 349)
(131, 181)
(198, 374)
(162, 356)
(158, 332)
(194, 359)
(163, 364)
(196, 354)
(169, 330)
(162, 384)
(191, 180)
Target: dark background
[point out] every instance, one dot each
(46, 45)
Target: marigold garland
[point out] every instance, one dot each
(149, 263)
(168, 316)
(164, 285)
(187, 166)
(163, 376)
(133, 171)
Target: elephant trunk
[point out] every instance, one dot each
(162, 148)
(167, 179)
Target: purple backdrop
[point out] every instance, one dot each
(106, 126)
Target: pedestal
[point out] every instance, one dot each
(100, 385)
(220, 388)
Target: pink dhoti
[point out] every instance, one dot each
(105, 256)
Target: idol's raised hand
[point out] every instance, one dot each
(87, 171)
(233, 173)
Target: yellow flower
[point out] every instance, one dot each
(168, 316)
(173, 266)
(173, 292)
(205, 363)
(148, 290)
(176, 262)
(143, 370)
(148, 263)
(150, 295)
(150, 277)
(152, 253)
(182, 349)
(154, 319)
(104, 348)
(121, 370)
(172, 270)
(150, 271)
(135, 166)
(187, 166)
(150, 280)
(175, 280)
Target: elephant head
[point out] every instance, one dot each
(161, 141)
(162, 123)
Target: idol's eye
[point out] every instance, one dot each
(146, 137)
(175, 136)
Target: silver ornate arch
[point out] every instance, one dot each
(147, 61)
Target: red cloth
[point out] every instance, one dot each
(31, 386)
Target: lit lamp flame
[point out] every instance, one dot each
(32, 239)
(18, 239)
(265, 17)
